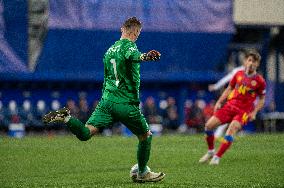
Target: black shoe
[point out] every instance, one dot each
(56, 116)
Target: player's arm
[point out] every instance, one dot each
(152, 55)
(223, 97)
(221, 83)
(258, 107)
(261, 100)
(226, 92)
(133, 54)
(224, 80)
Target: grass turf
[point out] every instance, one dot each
(63, 161)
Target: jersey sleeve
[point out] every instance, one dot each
(132, 53)
(262, 87)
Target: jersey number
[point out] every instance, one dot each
(113, 62)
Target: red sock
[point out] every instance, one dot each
(210, 141)
(223, 148)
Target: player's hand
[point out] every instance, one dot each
(152, 55)
(211, 87)
(217, 106)
(252, 116)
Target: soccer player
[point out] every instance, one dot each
(120, 98)
(214, 87)
(239, 108)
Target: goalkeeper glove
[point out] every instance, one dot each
(152, 55)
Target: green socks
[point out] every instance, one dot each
(143, 153)
(78, 129)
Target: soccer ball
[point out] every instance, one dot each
(134, 171)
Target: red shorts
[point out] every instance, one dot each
(228, 113)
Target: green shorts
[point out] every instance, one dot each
(108, 112)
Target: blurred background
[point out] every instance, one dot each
(51, 56)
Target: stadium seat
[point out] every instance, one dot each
(55, 105)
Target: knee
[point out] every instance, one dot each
(212, 123)
(145, 136)
(233, 129)
(209, 126)
(93, 130)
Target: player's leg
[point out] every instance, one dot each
(220, 131)
(210, 125)
(75, 126)
(143, 151)
(135, 121)
(221, 116)
(100, 118)
(233, 128)
(143, 154)
(82, 131)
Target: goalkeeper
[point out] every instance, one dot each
(120, 98)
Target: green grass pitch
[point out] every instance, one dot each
(63, 161)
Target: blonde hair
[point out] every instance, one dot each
(131, 23)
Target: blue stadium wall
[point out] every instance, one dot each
(78, 54)
(15, 14)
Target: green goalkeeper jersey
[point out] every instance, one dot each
(122, 72)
